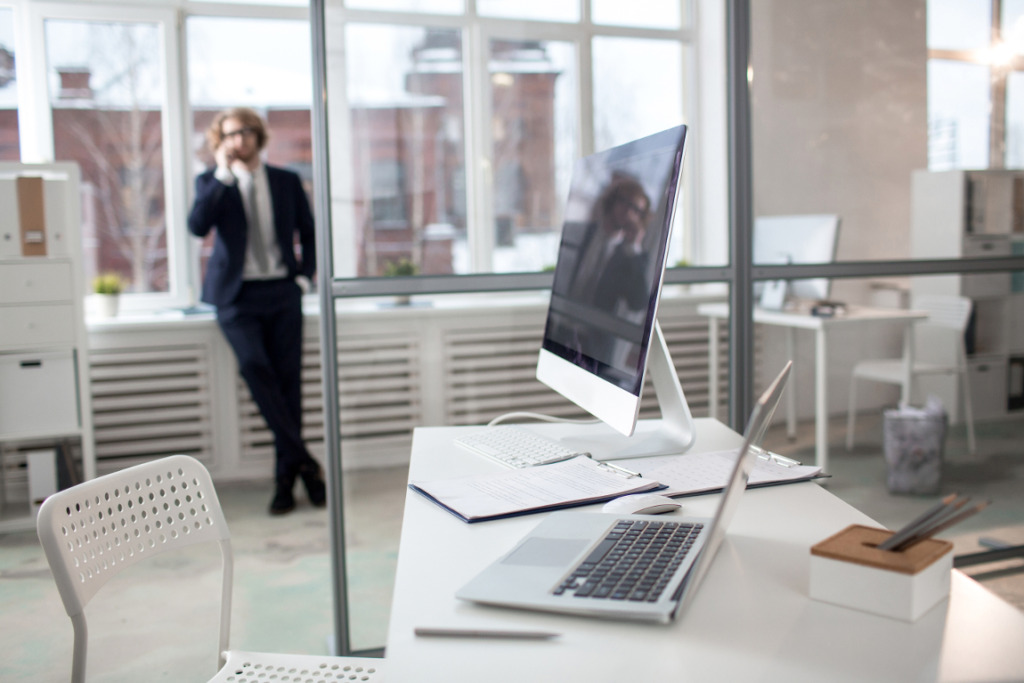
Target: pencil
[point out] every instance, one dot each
(908, 529)
(942, 526)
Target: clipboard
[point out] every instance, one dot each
(569, 483)
(695, 474)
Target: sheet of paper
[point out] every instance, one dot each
(706, 472)
(560, 484)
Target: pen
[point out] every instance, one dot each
(483, 633)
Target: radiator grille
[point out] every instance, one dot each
(151, 402)
(490, 372)
(378, 394)
(154, 398)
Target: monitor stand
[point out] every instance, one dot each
(674, 433)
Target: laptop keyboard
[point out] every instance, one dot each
(634, 562)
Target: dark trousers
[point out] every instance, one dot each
(264, 327)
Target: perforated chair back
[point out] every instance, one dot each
(952, 312)
(93, 531)
(948, 317)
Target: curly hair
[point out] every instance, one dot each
(621, 188)
(249, 119)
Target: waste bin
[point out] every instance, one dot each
(914, 440)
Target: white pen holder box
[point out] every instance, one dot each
(848, 569)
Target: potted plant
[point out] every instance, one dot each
(107, 288)
(401, 268)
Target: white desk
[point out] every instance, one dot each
(798, 320)
(751, 621)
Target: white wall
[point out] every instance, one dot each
(839, 110)
(839, 123)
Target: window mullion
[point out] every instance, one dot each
(35, 121)
(176, 170)
(997, 110)
(479, 157)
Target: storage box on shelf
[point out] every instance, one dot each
(44, 382)
(966, 214)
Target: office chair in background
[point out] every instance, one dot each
(94, 530)
(947, 313)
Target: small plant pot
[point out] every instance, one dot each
(107, 305)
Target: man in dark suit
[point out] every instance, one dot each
(607, 283)
(256, 282)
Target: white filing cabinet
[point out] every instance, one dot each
(44, 369)
(965, 214)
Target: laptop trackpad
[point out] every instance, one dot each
(546, 552)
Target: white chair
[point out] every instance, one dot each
(946, 313)
(93, 531)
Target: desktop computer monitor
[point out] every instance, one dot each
(601, 334)
(807, 238)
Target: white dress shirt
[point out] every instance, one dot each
(264, 219)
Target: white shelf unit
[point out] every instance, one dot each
(964, 214)
(45, 398)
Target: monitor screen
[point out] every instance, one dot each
(809, 238)
(607, 281)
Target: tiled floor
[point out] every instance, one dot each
(284, 591)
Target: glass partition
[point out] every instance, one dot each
(906, 127)
(849, 117)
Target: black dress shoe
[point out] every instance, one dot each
(313, 479)
(283, 501)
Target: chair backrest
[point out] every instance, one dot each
(951, 312)
(93, 531)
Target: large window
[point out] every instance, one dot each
(533, 144)
(405, 96)
(107, 100)
(458, 122)
(975, 103)
(459, 136)
(229, 66)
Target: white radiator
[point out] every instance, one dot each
(379, 401)
(149, 402)
(398, 369)
(493, 371)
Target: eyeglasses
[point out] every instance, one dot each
(241, 133)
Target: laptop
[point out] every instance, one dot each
(574, 563)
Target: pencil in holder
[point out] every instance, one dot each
(848, 569)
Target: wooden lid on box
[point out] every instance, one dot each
(859, 544)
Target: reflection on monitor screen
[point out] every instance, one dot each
(809, 238)
(601, 326)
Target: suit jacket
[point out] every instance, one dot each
(220, 206)
(623, 276)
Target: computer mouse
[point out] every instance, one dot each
(641, 504)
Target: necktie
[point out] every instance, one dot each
(256, 245)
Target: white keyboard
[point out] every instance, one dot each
(515, 447)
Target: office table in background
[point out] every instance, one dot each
(803, 320)
(751, 621)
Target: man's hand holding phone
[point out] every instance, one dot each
(224, 156)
